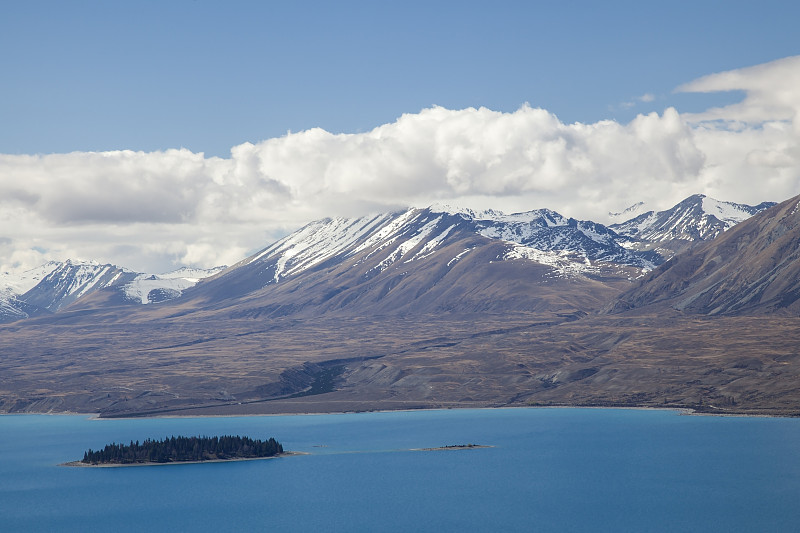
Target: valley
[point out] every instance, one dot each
(247, 367)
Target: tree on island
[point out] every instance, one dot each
(184, 449)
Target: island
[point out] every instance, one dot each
(181, 450)
(453, 447)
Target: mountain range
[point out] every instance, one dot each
(55, 285)
(442, 254)
(433, 307)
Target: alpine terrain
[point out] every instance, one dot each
(55, 285)
(432, 307)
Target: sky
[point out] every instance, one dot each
(154, 135)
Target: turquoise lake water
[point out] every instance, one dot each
(549, 470)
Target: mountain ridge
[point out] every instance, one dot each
(566, 247)
(57, 285)
(419, 312)
(754, 268)
(427, 260)
(696, 218)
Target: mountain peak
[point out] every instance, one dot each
(449, 209)
(696, 218)
(753, 268)
(467, 213)
(81, 262)
(628, 213)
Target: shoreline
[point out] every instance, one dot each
(682, 411)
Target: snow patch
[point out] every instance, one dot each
(178, 281)
(432, 244)
(558, 261)
(317, 242)
(459, 256)
(727, 212)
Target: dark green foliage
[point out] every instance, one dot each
(181, 449)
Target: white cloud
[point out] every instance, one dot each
(645, 98)
(151, 211)
(772, 92)
(753, 146)
(445, 154)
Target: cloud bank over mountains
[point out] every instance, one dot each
(151, 211)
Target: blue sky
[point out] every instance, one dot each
(208, 76)
(159, 134)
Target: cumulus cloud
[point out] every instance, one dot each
(445, 154)
(153, 211)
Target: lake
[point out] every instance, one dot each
(548, 470)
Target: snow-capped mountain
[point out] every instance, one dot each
(429, 260)
(567, 245)
(547, 231)
(14, 284)
(697, 218)
(414, 234)
(55, 285)
(12, 308)
(47, 288)
(18, 283)
(630, 212)
(752, 269)
(71, 280)
(431, 256)
(448, 258)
